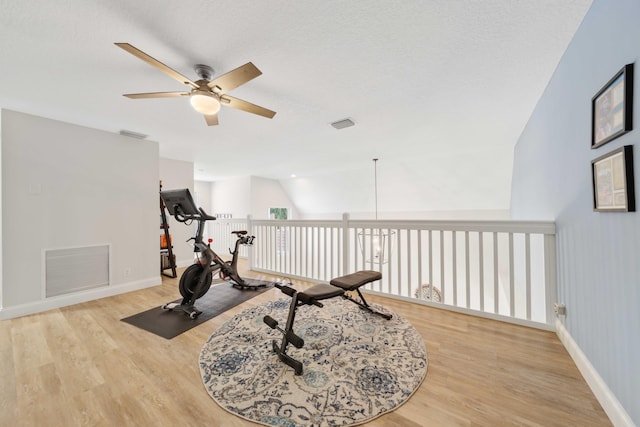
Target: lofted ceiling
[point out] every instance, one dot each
(439, 90)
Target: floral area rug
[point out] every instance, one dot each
(357, 366)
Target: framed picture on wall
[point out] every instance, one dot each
(612, 176)
(612, 108)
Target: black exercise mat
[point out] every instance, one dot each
(221, 297)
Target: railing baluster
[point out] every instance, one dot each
(512, 286)
(390, 258)
(430, 245)
(442, 284)
(274, 252)
(313, 252)
(467, 268)
(330, 253)
(289, 249)
(481, 268)
(455, 267)
(299, 251)
(419, 265)
(408, 263)
(496, 279)
(527, 260)
(398, 262)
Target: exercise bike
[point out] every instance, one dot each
(196, 279)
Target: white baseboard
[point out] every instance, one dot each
(76, 298)
(184, 263)
(605, 396)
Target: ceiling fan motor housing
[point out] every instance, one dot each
(204, 72)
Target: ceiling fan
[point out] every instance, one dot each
(206, 95)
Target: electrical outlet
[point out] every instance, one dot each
(560, 309)
(127, 272)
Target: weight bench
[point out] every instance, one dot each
(313, 296)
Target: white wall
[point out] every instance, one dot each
(232, 196)
(69, 186)
(250, 195)
(409, 185)
(203, 191)
(177, 174)
(268, 193)
(598, 268)
(1, 246)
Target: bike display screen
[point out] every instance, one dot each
(179, 198)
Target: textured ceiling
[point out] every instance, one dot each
(439, 90)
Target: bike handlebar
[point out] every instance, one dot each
(205, 216)
(183, 217)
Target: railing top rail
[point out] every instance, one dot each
(298, 222)
(231, 220)
(536, 227)
(540, 227)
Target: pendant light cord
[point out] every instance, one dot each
(375, 184)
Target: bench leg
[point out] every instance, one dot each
(288, 336)
(363, 303)
(285, 358)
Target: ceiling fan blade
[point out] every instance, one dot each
(235, 78)
(211, 120)
(239, 104)
(156, 95)
(159, 65)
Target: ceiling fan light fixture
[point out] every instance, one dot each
(205, 103)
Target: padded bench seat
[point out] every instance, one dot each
(319, 292)
(353, 281)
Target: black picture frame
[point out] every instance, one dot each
(612, 108)
(613, 185)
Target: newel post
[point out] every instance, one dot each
(550, 276)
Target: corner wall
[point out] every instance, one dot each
(1, 244)
(268, 193)
(177, 174)
(67, 186)
(232, 196)
(249, 195)
(598, 268)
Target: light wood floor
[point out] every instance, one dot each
(81, 365)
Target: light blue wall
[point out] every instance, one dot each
(598, 253)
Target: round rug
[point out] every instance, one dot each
(357, 366)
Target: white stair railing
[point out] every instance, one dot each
(498, 269)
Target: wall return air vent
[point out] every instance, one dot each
(76, 269)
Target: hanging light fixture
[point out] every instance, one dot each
(373, 242)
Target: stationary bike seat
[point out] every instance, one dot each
(240, 232)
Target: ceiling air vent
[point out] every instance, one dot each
(341, 124)
(133, 134)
